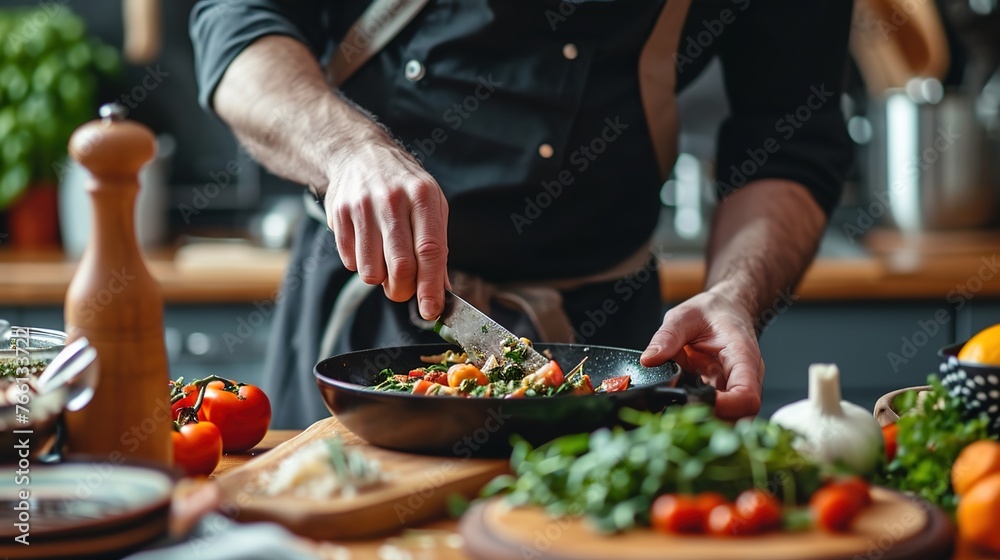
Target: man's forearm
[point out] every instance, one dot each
(763, 238)
(275, 98)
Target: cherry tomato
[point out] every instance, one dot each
(241, 412)
(723, 521)
(859, 487)
(460, 372)
(422, 386)
(759, 510)
(551, 374)
(890, 433)
(675, 513)
(197, 448)
(437, 377)
(415, 373)
(835, 507)
(707, 501)
(615, 384)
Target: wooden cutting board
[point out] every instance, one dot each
(893, 528)
(417, 489)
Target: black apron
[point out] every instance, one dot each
(624, 312)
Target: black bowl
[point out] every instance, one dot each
(467, 427)
(977, 385)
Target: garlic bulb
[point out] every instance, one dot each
(835, 433)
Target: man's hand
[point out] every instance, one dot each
(763, 237)
(713, 336)
(390, 219)
(389, 216)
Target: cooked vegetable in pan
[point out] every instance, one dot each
(500, 377)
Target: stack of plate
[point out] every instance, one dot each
(81, 509)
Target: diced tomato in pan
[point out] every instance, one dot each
(615, 384)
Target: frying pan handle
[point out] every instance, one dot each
(687, 387)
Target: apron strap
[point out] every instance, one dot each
(658, 82)
(381, 21)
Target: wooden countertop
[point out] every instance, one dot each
(896, 268)
(216, 273)
(435, 539)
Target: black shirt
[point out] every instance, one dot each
(528, 112)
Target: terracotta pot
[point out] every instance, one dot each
(33, 221)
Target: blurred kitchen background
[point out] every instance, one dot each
(906, 268)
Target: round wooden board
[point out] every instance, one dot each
(893, 528)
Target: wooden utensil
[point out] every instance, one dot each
(115, 302)
(893, 528)
(894, 41)
(417, 489)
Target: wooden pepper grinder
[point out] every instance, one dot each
(115, 302)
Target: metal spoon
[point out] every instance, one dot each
(72, 368)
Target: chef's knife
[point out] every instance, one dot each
(479, 335)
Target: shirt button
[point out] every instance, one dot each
(413, 71)
(546, 151)
(570, 51)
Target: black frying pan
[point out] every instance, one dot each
(467, 427)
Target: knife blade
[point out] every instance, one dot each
(478, 334)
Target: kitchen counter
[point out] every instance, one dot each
(216, 273)
(893, 268)
(438, 530)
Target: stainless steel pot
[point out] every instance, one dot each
(929, 160)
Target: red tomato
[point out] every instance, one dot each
(197, 448)
(890, 434)
(421, 387)
(414, 373)
(676, 513)
(241, 412)
(835, 507)
(859, 487)
(437, 377)
(461, 372)
(759, 510)
(707, 501)
(615, 384)
(551, 374)
(723, 521)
